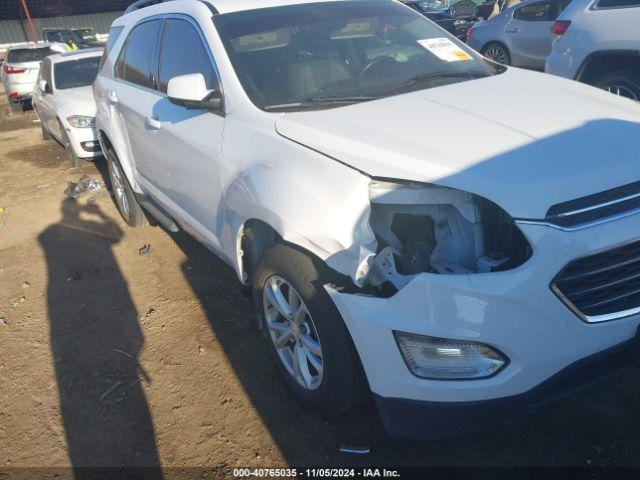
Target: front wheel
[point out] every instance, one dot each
(74, 160)
(128, 206)
(625, 83)
(306, 336)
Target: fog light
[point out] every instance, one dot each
(443, 359)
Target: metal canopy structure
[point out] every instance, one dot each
(12, 9)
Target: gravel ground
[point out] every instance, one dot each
(109, 357)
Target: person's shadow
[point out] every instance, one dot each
(95, 341)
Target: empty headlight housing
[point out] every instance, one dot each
(444, 359)
(81, 121)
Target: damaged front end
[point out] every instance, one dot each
(431, 229)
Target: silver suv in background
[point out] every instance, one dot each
(597, 42)
(520, 35)
(20, 71)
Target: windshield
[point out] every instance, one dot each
(22, 55)
(321, 55)
(75, 73)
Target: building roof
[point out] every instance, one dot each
(12, 9)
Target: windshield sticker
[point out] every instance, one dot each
(445, 49)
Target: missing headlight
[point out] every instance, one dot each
(425, 228)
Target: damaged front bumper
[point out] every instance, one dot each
(514, 311)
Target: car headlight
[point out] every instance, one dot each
(81, 121)
(444, 359)
(431, 229)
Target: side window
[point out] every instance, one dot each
(114, 33)
(139, 54)
(534, 12)
(617, 3)
(180, 37)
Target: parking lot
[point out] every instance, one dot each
(122, 356)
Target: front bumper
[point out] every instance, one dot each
(78, 137)
(514, 311)
(417, 420)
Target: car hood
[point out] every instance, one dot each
(76, 101)
(522, 139)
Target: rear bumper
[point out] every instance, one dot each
(418, 420)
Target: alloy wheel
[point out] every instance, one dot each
(497, 54)
(293, 332)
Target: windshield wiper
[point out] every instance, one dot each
(427, 78)
(319, 101)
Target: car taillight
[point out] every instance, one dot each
(9, 70)
(470, 32)
(560, 27)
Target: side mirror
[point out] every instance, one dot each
(190, 91)
(44, 86)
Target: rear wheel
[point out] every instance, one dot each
(497, 53)
(128, 206)
(625, 83)
(74, 160)
(307, 338)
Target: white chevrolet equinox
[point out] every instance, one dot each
(459, 238)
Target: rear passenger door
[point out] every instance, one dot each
(184, 144)
(134, 89)
(529, 33)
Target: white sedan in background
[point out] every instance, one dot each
(64, 102)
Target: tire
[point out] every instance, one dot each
(497, 53)
(624, 82)
(16, 107)
(45, 133)
(74, 160)
(342, 384)
(125, 200)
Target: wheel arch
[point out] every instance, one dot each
(599, 62)
(125, 162)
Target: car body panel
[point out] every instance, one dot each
(544, 157)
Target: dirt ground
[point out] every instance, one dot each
(109, 357)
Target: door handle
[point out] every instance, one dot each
(112, 97)
(513, 30)
(154, 123)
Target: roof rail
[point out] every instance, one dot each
(148, 3)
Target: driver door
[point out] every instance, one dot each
(184, 144)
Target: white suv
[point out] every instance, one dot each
(335, 155)
(597, 42)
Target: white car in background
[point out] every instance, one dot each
(335, 155)
(20, 70)
(597, 42)
(64, 102)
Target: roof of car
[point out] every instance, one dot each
(223, 6)
(75, 55)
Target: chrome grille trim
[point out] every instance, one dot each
(602, 286)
